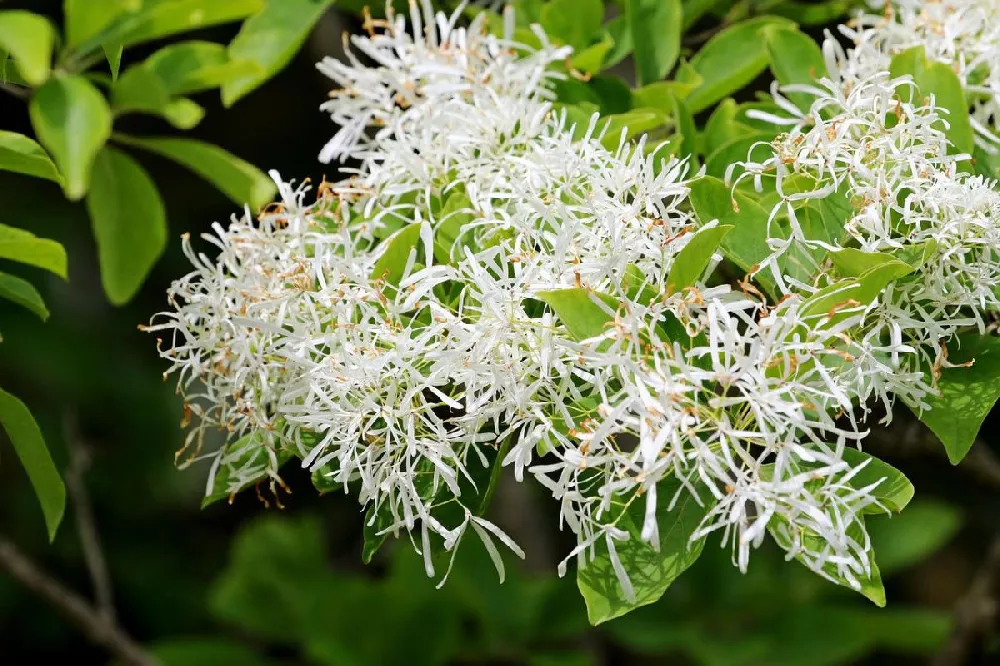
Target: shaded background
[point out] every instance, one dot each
(249, 584)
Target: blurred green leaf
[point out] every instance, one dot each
(723, 127)
(129, 223)
(242, 182)
(939, 79)
(189, 67)
(816, 12)
(966, 394)
(591, 59)
(655, 26)
(28, 38)
(141, 90)
(156, 20)
(572, 22)
(27, 248)
(30, 448)
(22, 292)
(578, 310)
(729, 61)
(86, 18)
(269, 40)
(690, 263)
(21, 154)
(912, 536)
(113, 54)
(205, 652)
(72, 121)
(651, 571)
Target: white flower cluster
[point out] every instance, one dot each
(490, 281)
(867, 141)
(964, 34)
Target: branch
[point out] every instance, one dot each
(975, 612)
(17, 91)
(93, 554)
(98, 628)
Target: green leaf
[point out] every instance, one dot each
(269, 40)
(242, 182)
(723, 127)
(162, 19)
(650, 571)
(795, 59)
(939, 79)
(113, 54)
(851, 262)
(391, 266)
(967, 394)
(204, 652)
(72, 121)
(909, 538)
(23, 293)
(190, 67)
(230, 478)
(573, 22)
(129, 223)
(591, 59)
(34, 456)
(729, 61)
(656, 36)
(746, 245)
(86, 18)
(27, 248)
(578, 310)
(690, 263)
(20, 154)
(894, 491)
(28, 39)
(736, 150)
(453, 216)
(633, 123)
(814, 12)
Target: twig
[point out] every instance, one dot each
(975, 612)
(94, 624)
(17, 91)
(93, 554)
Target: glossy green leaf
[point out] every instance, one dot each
(939, 79)
(20, 154)
(242, 182)
(730, 60)
(579, 311)
(129, 223)
(723, 127)
(650, 571)
(27, 248)
(851, 262)
(736, 150)
(23, 293)
(28, 38)
(966, 394)
(693, 259)
(813, 12)
(572, 22)
(632, 123)
(30, 448)
(72, 121)
(269, 40)
(656, 36)
(453, 216)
